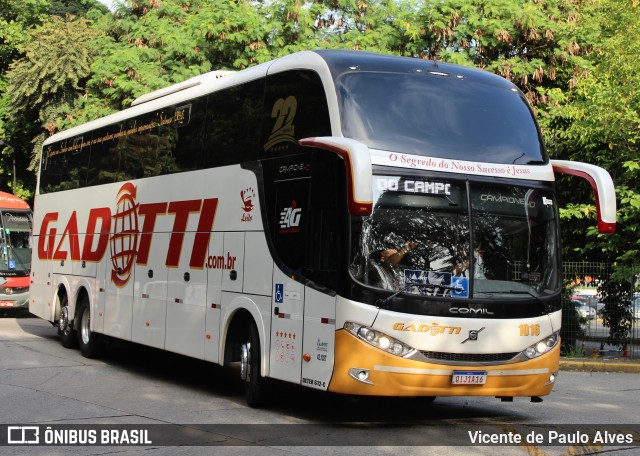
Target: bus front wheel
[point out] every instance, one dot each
(255, 386)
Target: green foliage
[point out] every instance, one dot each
(16, 19)
(571, 330)
(598, 122)
(75, 7)
(144, 49)
(46, 84)
(616, 313)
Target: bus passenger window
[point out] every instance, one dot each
(65, 165)
(182, 132)
(132, 149)
(104, 161)
(233, 125)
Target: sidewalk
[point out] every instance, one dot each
(600, 364)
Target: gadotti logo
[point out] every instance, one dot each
(129, 239)
(247, 203)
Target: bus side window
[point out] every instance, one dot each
(290, 223)
(132, 149)
(66, 164)
(183, 133)
(104, 161)
(233, 125)
(306, 210)
(295, 108)
(327, 249)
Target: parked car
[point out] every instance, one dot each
(584, 311)
(635, 306)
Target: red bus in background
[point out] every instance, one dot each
(15, 251)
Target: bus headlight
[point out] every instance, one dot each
(379, 340)
(541, 347)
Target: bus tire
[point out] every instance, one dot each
(90, 343)
(255, 386)
(67, 334)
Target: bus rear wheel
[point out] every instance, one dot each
(66, 332)
(255, 386)
(90, 343)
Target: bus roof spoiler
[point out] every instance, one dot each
(192, 82)
(357, 163)
(602, 186)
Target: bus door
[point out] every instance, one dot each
(324, 267)
(289, 238)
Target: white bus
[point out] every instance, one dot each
(315, 219)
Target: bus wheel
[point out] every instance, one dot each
(65, 329)
(89, 342)
(255, 386)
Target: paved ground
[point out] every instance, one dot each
(600, 364)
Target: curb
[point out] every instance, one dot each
(600, 365)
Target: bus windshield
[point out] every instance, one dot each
(15, 243)
(438, 115)
(458, 239)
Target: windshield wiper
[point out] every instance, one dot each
(382, 303)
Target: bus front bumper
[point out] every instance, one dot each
(361, 369)
(14, 301)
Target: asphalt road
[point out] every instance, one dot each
(191, 407)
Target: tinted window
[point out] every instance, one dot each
(306, 207)
(169, 140)
(296, 108)
(438, 115)
(233, 125)
(105, 158)
(184, 136)
(65, 164)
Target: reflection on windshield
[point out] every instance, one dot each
(15, 244)
(439, 115)
(421, 233)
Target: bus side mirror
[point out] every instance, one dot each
(357, 163)
(602, 186)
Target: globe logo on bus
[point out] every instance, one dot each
(124, 241)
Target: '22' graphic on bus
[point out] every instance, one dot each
(284, 111)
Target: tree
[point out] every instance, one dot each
(16, 19)
(78, 8)
(144, 48)
(46, 86)
(599, 122)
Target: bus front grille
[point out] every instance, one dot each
(468, 358)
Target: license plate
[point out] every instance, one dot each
(7, 303)
(469, 378)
